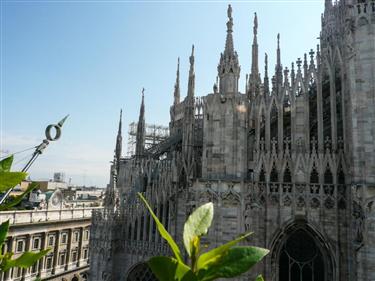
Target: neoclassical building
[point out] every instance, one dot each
(65, 231)
(292, 159)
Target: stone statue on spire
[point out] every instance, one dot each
(255, 28)
(228, 68)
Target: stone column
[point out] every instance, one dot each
(56, 251)
(27, 249)
(43, 259)
(80, 244)
(69, 249)
(11, 248)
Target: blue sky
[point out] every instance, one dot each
(91, 58)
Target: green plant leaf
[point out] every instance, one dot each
(26, 260)
(197, 224)
(236, 261)
(163, 232)
(10, 179)
(215, 254)
(170, 269)
(18, 198)
(6, 163)
(259, 278)
(4, 227)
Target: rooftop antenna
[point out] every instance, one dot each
(50, 136)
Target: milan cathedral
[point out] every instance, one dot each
(291, 159)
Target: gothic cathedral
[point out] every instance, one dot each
(292, 159)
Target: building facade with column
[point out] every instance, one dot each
(65, 231)
(292, 158)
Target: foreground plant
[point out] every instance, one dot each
(8, 180)
(225, 261)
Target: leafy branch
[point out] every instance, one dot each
(8, 180)
(225, 261)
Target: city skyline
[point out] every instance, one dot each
(91, 59)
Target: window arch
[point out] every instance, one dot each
(262, 127)
(339, 101)
(326, 99)
(262, 175)
(328, 178)
(314, 176)
(140, 272)
(274, 122)
(313, 108)
(301, 258)
(287, 175)
(274, 177)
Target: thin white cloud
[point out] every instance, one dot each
(86, 164)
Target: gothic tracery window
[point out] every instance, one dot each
(326, 96)
(301, 259)
(274, 123)
(274, 177)
(313, 109)
(339, 101)
(140, 272)
(287, 121)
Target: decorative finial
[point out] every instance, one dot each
(255, 28)
(178, 73)
(230, 21)
(229, 11)
(192, 55)
(278, 40)
(177, 84)
(265, 64)
(143, 92)
(299, 62)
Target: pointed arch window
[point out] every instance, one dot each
(341, 176)
(274, 123)
(262, 175)
(135, 229)
(301, 259)
(313, 108)
(140, 272)
(314, 176)
(274, 177)
(326, 100)
(287, 120)
(339, 101)
(287, 175)
(328, 178)
(262, 128)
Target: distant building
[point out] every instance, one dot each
(59, 177)
(66, 231)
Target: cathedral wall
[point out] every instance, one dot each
(241, 207)
(224, 136)
(361, 63)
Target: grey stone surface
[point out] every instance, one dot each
(292, 159)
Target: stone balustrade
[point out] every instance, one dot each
(48, 215)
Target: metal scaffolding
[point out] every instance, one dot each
(154, 135)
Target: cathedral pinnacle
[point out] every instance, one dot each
(279, 67)
(177, 84)
(119, 143)
(254, 81)
(266, 82)
(191, 83)
(228, 68)
(139, 149)
(229, 41)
